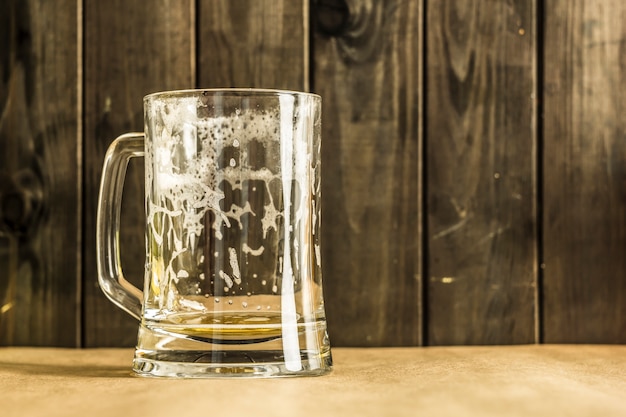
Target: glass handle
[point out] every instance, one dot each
(121, 292)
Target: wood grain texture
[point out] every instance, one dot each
(39, 210)
(474, 381)
(481, 185)
(131, 49)
(253, 43)
(474, 163)
(585, 178)
(369, 77)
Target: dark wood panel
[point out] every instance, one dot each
(480, 155)
(369, 76)
(253, 43)
(131, 49)
(39, 136)
(585, 177)
(481, 185)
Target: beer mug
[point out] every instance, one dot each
(233, 283)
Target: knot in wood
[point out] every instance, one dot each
(331, 16)
(21, 202)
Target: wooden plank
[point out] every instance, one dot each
(369, 76)
(476, 381)
(253, 43)
(39, 140)
(131, 49)
(481, 185)
(585, 201)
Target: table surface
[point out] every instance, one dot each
(533, 380)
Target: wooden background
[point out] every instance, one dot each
(474, 157)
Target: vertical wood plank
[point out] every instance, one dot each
(39, 140)
(131, 49)
(585, 177)
(481, 185)
(253, 43)
(369, 76)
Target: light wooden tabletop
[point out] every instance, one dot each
(544, 380)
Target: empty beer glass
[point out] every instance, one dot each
(233, 283)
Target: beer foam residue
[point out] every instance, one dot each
(190, 157)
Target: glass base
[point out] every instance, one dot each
(232, 363)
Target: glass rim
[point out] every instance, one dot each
(195, 92)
